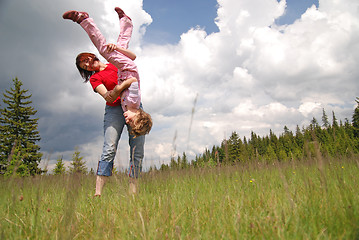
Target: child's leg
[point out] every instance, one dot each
(96, 36)
(125, 31)
(116, 58)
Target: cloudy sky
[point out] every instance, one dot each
(234, 65)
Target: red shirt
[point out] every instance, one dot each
(107, 77)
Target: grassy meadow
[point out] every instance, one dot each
(314, 199)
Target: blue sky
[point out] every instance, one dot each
(171, 18)
(295, 9)
(251, 69)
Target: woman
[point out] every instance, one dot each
(103, 78)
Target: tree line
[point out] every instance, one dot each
(333, 139)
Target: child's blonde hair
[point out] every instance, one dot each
(142, 124)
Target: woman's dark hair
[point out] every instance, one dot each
(84, 73)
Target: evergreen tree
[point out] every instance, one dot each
(348, 128)
(78, 165)
(286, 143)
(355, 121)
(335, 121)
(224, 146)
(234, 147)
(314, 124)
(334, 127)
(273, 140)
(299, 138)
(270, 155)
(184, 162)
(60, 167)
(19, 132)
(179, 162)
(286, 130)
(325, 120)
(282, 156)
(173, 163)
(164, 167)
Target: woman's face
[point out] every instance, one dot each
(90, 64)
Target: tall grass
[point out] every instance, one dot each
(297, 200)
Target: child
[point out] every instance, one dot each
(128, 78)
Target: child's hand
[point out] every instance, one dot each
(110, 47)
(131, 80)
(116, 91)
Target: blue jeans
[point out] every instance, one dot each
(114, 121)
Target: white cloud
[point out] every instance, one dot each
(252, 74)
(308, 107)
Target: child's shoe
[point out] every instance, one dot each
(121, 13)
(75, 16)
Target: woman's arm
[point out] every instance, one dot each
(111, 47)
(102, 90)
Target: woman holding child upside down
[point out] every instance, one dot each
(119, 84)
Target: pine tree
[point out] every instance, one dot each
(273, 141)
(19, 132)
(234, 147)
(173, 164)
(60, 167)
(335, 121)
(288, 133)
(184, 162)
(270, 155)
(325, 120)
(299, 137)
(314, 124)
(356, 119)
(78, 165)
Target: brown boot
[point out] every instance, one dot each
(75, 16)
(121, 13)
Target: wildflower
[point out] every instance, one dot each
(342, 167)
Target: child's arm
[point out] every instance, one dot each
(111, 47)
(115, 93)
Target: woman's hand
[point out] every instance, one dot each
(109, 97)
